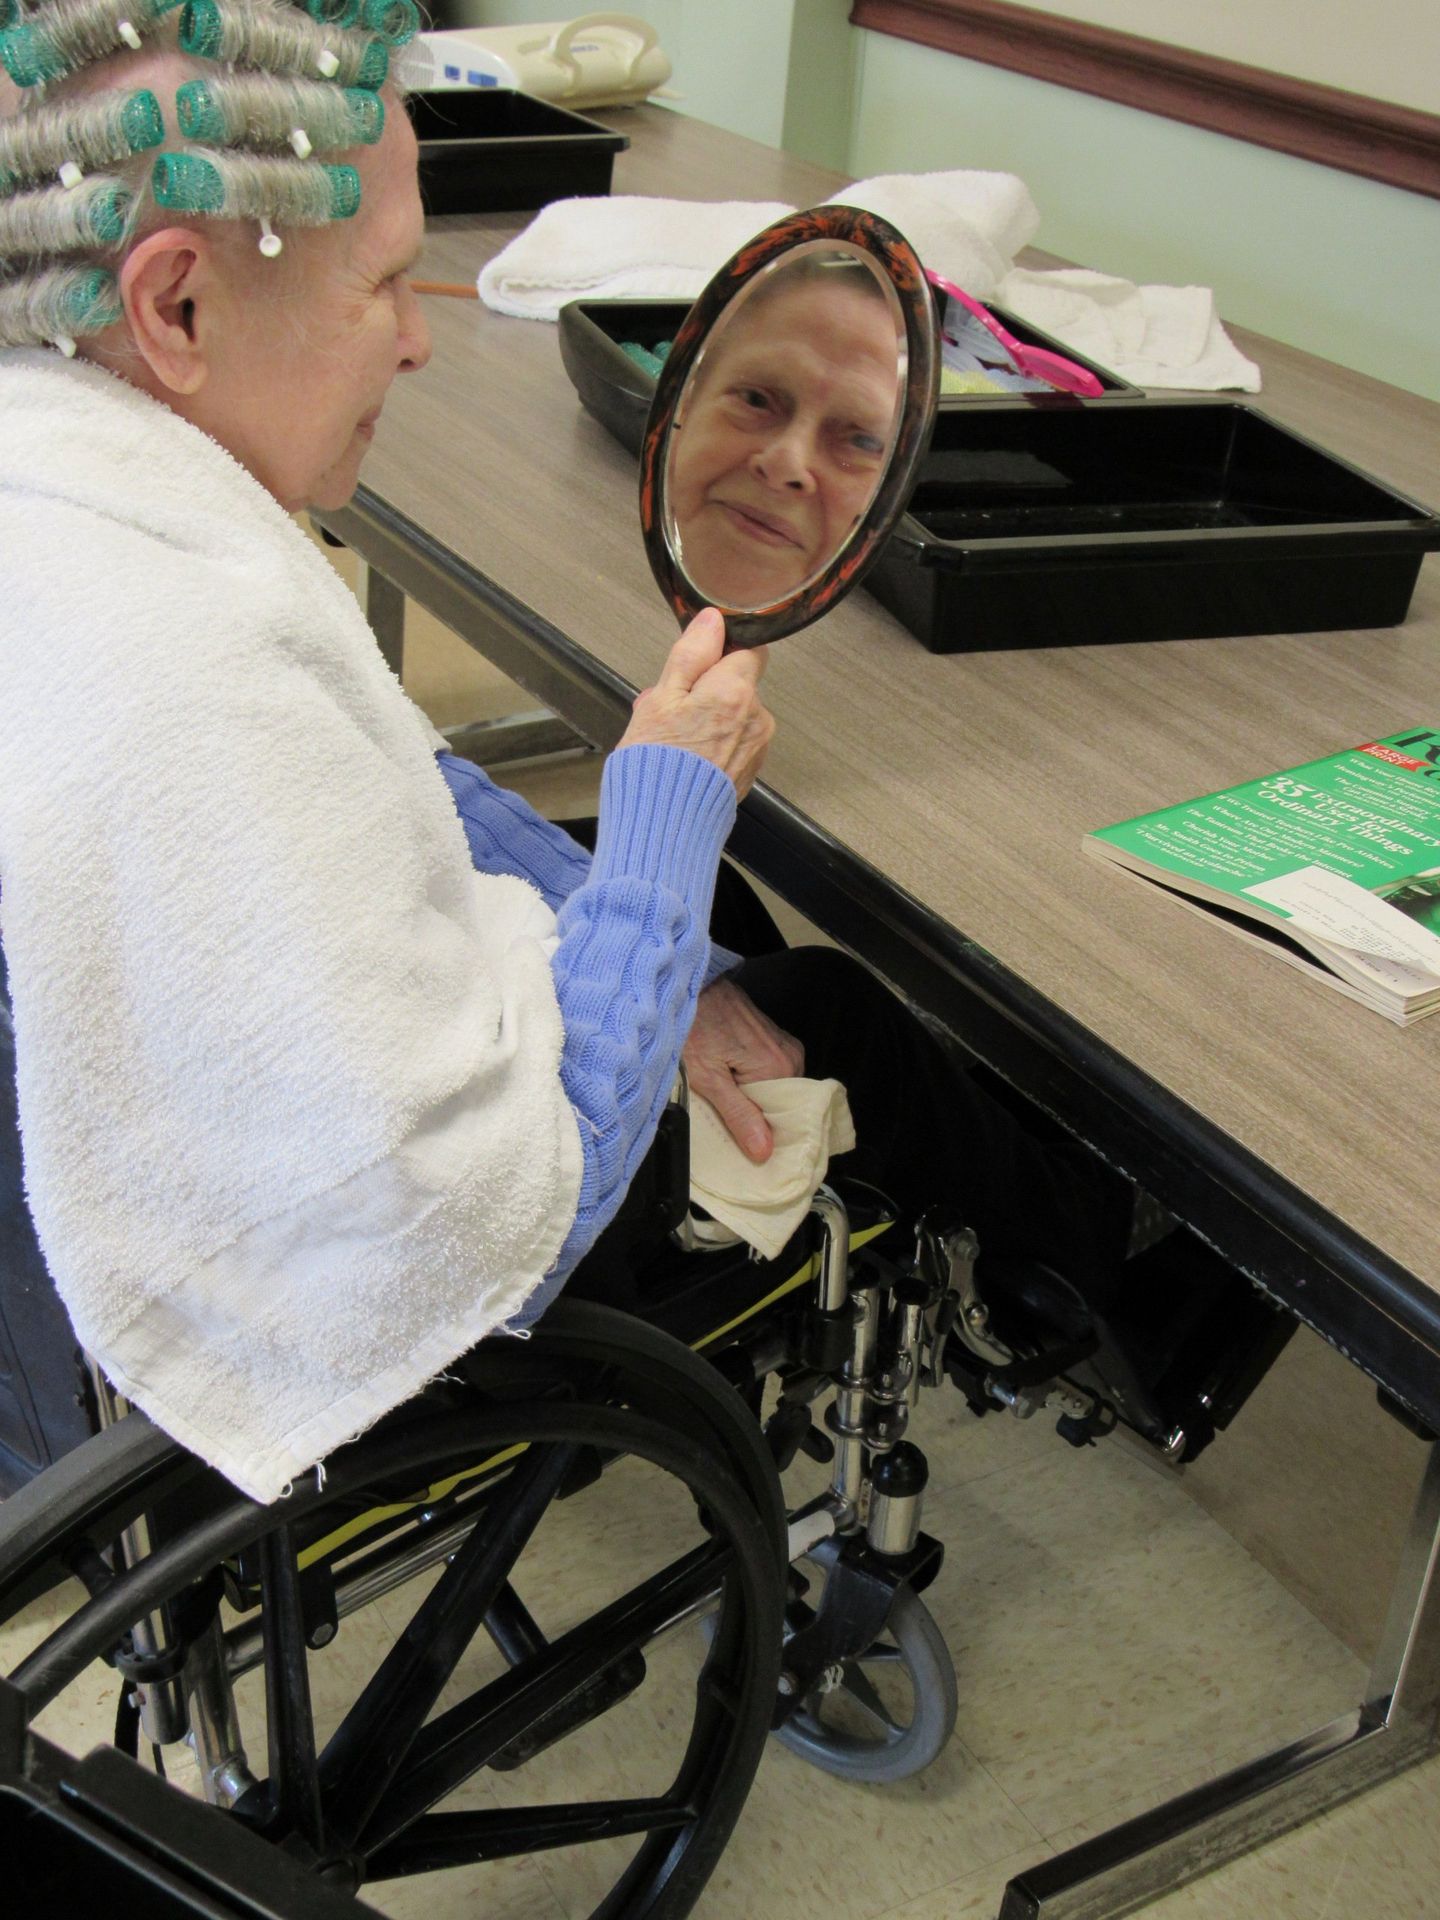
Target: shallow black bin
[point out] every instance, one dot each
(492, 150)
(1142, 520)
(619, 392)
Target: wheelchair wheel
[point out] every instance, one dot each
(478, 1700)
(890, 1712)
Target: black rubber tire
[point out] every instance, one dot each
(649, 1398)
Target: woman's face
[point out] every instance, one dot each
(299, 366)
(780, 449)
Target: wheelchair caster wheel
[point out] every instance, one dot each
(887, 1714)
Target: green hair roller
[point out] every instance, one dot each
(109, 211)
(199, 113)
(91, 301)
(396, 21)
(142, 122)
(200, 29)
(333, 13)
(344, 192)
(374, 67)
(187, 183)
(367, 115)
(30, 57)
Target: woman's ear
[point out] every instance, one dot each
(163, 283)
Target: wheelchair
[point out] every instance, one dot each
(509, 1690)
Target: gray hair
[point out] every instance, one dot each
(79, 176)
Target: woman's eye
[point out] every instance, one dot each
(755, 399)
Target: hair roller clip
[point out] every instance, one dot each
(327, 63)
(126, 31)
(300, 143)
(65, 342)
(70, 173)
(271, 245)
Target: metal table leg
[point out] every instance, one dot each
(1124, 1869)
(383, 605)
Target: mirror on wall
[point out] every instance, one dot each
(788, 423)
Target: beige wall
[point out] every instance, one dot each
(1321, 259)
(1324, 260)
(1388, 48)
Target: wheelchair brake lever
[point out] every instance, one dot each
(950, 1251)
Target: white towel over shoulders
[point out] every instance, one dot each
(294, 1134)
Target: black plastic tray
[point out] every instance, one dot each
(1142, 520)
(493, 150)
(619, 392)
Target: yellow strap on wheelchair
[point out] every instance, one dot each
(376, 1516)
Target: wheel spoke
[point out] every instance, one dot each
(859, 1689)
(460, 1742)
(458, 1839)
(372, 1743)
(294, 1782)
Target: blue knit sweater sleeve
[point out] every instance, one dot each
(629, 968)
(507, 835)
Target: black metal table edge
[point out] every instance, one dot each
(1377, 1313)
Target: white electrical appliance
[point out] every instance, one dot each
(599, 60)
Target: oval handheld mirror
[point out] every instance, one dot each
(788, 423)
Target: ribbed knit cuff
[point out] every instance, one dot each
(664, 817)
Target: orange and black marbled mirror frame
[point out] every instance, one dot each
(898, 261)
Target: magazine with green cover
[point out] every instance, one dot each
(1333, 865)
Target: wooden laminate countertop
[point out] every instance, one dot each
(969, 779)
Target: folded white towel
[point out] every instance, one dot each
(290, 1100)
(1152, 335)
(619, 247)
(764, 1204)
(965, 224)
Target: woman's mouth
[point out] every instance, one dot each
(765, 528)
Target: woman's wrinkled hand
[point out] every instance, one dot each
(708, 702)
(733, 1042)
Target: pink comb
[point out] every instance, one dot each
(1039, 362)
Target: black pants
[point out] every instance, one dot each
(928, 1132)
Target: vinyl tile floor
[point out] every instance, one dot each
(1120, 1633)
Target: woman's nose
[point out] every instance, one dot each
(786, 461)
(414, 340)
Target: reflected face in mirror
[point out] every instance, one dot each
(784, 432)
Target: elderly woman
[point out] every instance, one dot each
(333, 1058)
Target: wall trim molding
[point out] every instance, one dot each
(1397, 145)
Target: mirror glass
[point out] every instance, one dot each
(788, 422)
(783, 430)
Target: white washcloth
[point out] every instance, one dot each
(966, 225)
(619, 247)
(764, 1204)
(1154, 336)
(293, 1127)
